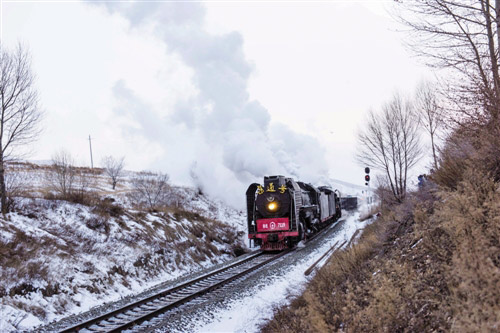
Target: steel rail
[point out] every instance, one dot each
(153, 313)
(192, 296)
(163, 293)
(199, 293)
(309, 270)
(331, 250)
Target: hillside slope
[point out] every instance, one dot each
(430, 264)
(59, 257)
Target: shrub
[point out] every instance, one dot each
(453, 161)
(107, 207)
(150, 189)
(99, 223)
(62, 175)
(70, 183)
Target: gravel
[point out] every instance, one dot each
(108, 307)
(191, 316)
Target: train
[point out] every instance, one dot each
(283, 212)
(349, 203)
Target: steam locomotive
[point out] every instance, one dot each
(283, 212)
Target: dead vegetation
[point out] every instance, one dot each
(50, 235)
(429, 264)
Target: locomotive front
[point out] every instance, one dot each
(271, 216)
(283, 212)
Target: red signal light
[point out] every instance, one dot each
(367, 178)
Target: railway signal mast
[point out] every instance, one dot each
(367, 183)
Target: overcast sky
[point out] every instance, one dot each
(227, 92)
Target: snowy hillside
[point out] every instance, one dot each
(59, 257)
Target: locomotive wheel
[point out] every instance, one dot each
(301, 232)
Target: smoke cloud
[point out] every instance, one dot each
(223, 139)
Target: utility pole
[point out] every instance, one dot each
(91, 160)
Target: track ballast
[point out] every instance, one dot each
(146, 309)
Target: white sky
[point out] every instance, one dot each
(125, 76)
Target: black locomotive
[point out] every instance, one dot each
(283, 212)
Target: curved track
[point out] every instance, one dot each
(136, 313)
(139, 312)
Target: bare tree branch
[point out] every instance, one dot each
(391, 143)
(150, 189)
(20, 113)
(113, 168)
(431, 114)
(463, 36)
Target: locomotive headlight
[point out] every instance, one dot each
(272, 206)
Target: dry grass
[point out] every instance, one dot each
(430, 264)
(163, 240)
(471, 215)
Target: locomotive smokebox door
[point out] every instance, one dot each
(273, 200)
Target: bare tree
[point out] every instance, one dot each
(391, 143)
(150, 189)
(83, 180)
(16, 184)
(463, 36)
(431, 114)
(113, 168)
(19, 110)
(69, 181)
(383, 191)
(63, 175)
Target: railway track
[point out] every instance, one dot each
(146, 309)
(142, 311)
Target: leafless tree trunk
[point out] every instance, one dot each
(113, 168)
(462, 36)
(19, 111)
(391, 143)
(431, 114)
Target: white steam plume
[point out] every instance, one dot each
(235, 143)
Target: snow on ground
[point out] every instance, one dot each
(249, 313)
(59, 258)
(90, 267)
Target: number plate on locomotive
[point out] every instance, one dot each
(274, 224)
